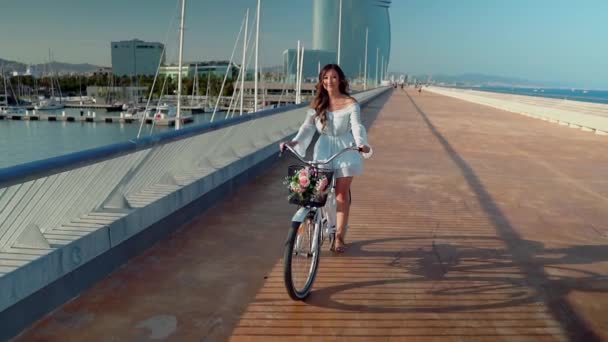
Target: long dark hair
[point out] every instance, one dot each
(321, 101)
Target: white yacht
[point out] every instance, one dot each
(165, 115)
(48, 104)
(164, 112)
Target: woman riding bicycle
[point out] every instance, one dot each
(337, 117)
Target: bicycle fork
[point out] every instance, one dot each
(316, 239)
(313, 237)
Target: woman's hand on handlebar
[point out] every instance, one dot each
(290, 143)
(363, 148)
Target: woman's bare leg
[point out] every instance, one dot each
(343, 208)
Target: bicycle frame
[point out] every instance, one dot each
(326, 213)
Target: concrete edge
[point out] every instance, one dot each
(585, 122)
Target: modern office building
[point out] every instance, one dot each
(217, 68)
(136, 57)
(357, 16)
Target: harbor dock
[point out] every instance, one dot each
(88, 116)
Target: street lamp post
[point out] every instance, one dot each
(382, 70)
(377, 55)
(365, 66)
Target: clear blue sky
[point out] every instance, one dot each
(541, 40)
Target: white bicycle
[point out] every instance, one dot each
(311, 225)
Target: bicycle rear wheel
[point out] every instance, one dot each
(301, 258)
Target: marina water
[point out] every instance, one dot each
(25, 141)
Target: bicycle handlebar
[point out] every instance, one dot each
(320, 162)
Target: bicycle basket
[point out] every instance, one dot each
(308, 186)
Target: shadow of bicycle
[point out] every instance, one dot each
(437, 274)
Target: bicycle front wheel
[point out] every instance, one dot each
(301, 259)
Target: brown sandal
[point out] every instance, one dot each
(339, 249)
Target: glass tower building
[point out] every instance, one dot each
(357, 16)
(135, 57)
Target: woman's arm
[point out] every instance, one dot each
(359, 132)
(305, 134)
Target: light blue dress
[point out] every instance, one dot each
(342, 129)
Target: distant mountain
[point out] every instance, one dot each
(10, 66)
(58, 67)
(68, 67)
(482, 79)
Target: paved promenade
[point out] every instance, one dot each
(469, 224)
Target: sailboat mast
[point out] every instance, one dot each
(5, 91)
(51, 77)
(179, 66)
(257, 42)
(301, 72)
(194, 85)
(297, 76)
(207, 91)
(243, 68)
(339, 30)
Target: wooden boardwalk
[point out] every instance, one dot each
(469, 224)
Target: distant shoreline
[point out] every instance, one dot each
(572, 94)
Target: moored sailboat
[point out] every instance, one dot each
(50, 103)
(164, 114)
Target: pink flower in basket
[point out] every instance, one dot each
(307, 185)
(304, 181)
(322, 184)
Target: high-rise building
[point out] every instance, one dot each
(136, 57)
(357, 17)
